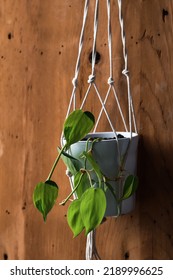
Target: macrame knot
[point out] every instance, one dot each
(91, 78)
(68, 173)
(74, 82)
(110, 81)
(125, 72)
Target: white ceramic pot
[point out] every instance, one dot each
(105, 153)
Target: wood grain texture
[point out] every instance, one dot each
(38, 49)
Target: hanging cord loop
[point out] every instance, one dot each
(110, 79)
(95, 36)
(125, 71)
(77, 68)
(91, 78)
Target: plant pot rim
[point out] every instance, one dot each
(111, 136)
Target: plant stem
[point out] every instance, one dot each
(118, 209)
(86, 150)
(124, 158)
(68, 197)
(89, 177)
(55, 163)
(112, 191)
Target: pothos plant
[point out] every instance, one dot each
(87, 209)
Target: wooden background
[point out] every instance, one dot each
(38, 49)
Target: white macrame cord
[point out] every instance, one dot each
(91, 251)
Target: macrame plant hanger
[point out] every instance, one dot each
(91, 251)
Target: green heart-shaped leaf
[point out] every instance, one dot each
(77, 126)
(92, 208)
(44, 197)
(130, 186)
(74, 217)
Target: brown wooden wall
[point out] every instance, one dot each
(38, 49)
